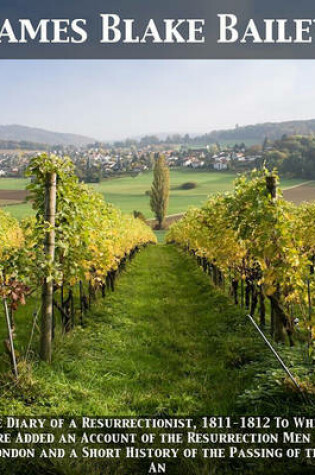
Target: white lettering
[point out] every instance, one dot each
(112, 29)
(226, 28)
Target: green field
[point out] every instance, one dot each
(13, 183)
(128, 193)
(20, 211)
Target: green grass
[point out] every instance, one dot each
(160, 234)
(20, 211)
(128, 193)
(163, 343)
(23, 320)
(13, 183)
(287, 182)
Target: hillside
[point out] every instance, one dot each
(41, 136)
(249, 134)
(272, 130)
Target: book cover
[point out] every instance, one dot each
(157, 237)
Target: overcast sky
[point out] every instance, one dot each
(118, 99)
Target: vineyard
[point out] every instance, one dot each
(164, 333)
(259, 247)
(253, 244)
(75, 240)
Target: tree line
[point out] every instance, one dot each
(292, 155)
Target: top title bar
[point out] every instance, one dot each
(138, 29)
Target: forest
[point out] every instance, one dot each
(292, 155)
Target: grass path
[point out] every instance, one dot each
(163, 343)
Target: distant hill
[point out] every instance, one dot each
(32, 134)
(249, 134)
(22, 145)
(271, 130)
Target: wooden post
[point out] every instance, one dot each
(9, 327)
(271, 185)
(242, 293)
(72, 309)
(49, 249)
(90, 293)
(248, 290)
(309, 339)
(235, 290)
(53, 323)
(61, 296)
(278, 316)
(262, 306)
(81, 302)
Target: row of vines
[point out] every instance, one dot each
(259, 247)
(75, 240)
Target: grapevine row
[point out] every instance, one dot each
(92, 241)
(260, 246)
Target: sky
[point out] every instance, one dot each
(109, 100)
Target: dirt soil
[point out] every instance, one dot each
(16, 195)
(300, 193)
(167, 222)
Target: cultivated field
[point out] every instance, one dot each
(15, 195)
(298, 194)
(129, 193)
